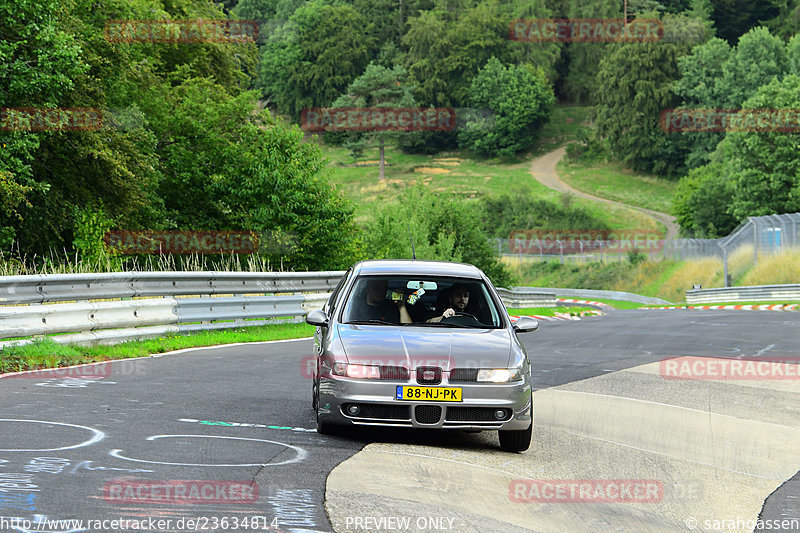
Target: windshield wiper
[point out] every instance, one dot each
(373, 321)
(439, 324)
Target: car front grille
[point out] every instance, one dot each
(394, 373)
(463, 375)
(380, 411)
(427, 414)
(474, 414)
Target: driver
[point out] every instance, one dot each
(458, 298)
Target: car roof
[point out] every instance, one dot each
(417, 267)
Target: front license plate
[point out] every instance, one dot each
(429, 394)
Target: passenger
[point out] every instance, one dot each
(376, 305)
(458, 299)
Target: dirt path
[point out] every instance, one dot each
(544, 170)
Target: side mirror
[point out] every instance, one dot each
(524, 324)
(317, 318)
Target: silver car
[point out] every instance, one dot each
(421, 344)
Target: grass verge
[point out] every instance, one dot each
(455, 173)
(47, 354)
(620, 304)
(614, 182)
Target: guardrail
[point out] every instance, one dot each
(121, 306)
(153, 304)
(755, 293)
(521, 297)
(594, 294)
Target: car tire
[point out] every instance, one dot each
(323, 428)
(314, 401)
(515, 441)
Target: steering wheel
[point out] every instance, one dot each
(462, 318)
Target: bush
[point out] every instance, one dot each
(508, 213)
(441, 226)
(521, 99)
(587, 149)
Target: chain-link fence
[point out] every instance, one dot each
(756, 236)
(575, 250)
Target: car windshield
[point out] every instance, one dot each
(421, 302)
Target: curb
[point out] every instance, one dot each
(593, 303)
(762, 307)
(558, 317)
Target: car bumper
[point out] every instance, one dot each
(378, 406)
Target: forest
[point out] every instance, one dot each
(204, 133)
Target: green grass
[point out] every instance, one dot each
(565, 123)
(472, 177)
(619, 304)
(47, 354)
(549, 311)
(612, 181)
(453, 172)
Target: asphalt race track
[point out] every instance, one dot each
(227, 433)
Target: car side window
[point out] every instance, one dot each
(330, 305)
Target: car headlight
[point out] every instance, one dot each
(499, 375)
(356, 371)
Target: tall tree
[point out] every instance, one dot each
(793, 55)
(733, 18)
(764, 166)
(758, 58)
(753, 173)
(584, 58)
(428, 44)
(699, 87)
(787, 22)
(389, 17)
(231, 166)
(313, 59)
(634, 86)
(377, 87)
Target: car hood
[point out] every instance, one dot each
(417, 346)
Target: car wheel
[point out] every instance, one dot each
(325, 428)
(515, 441)
(314, 401)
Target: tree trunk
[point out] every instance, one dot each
(381, 172)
